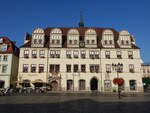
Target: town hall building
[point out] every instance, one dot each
(80, 59)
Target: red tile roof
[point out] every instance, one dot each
(11, 47)
(65, 30)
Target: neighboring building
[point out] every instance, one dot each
(8, 62)
(80, 59)
(146, 69)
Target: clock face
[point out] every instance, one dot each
(82, 44)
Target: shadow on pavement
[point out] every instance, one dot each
(78, 106)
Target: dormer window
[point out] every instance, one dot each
(108, 38)
(124, 39)
(70, 41)
(73, 38)
(56, 38)
(35, 41)
(38, 38)
(58, 42)
(110, 42)
(40, 41)
(88, 42)
(122, 42)
(93, 41)
(90, 38)
(75, 41)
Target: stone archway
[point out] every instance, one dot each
(94, 84)
(54, 85)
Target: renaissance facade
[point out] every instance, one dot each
(80, 59)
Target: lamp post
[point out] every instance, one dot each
(118, 68)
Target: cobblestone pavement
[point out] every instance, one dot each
(74, 103)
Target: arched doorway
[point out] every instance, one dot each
(54, 85)
(94, 84)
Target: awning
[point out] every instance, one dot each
(38, 81)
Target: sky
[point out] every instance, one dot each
(20, 16)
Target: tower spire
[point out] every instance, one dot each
(81, 23)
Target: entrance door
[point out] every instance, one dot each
(54, 85)
(2, 84)
(69, 84)
(94, 84)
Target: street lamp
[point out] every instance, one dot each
(118, 68)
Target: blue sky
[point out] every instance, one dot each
(20, 16)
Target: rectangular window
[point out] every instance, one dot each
(75, 68)
(83, 68)
(105, 42)
(93, 41)
(33, 68)
(70, 41)
(97, 68)
(75, 41)
(53, 41)
(57, 41)
(42, 53)
(51, 69)
(131, 68)
(130, 54)
(107, 54)
(34, 54)
(26, 53)
(108, 68)
(68, 67)
(57, 54)
(4, 68)
(87, 41)
(75, 53)
(57, 68)
(41, 68)
(52, 54)
(5, 58)
(25, 68)
(54, 68)
(68, 54)
(119, 55)
(83, 54)
(92, 69)
(91, 54)
(97, 54)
